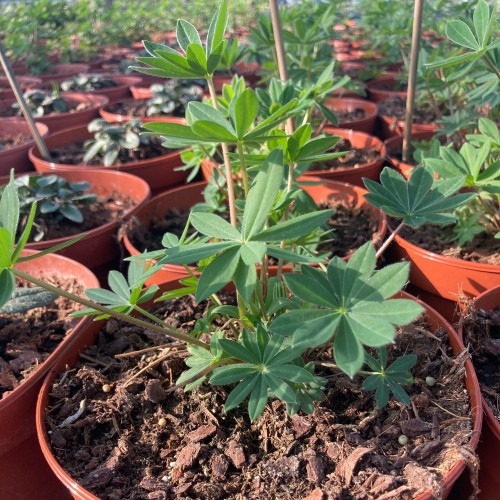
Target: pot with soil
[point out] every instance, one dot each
(60, 72)
(113, 86)
(153, 163)
(15, 141)
(365, 158)
(392, 114)
(25, 82)
(130, 109)
(442, 268)
(354, 114)
(119, 196)
(381, 89)
(33, 342)
(394, 152)
(480, 329)
(354, 222)
(188, 446)
(81, 108)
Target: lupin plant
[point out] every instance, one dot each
(268, 346)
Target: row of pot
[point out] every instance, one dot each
(162, 173)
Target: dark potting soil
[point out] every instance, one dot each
(136, 108)
(73, 107)
(481, 332)
(106, 209)
(12, 142)
(484, 249)
(355, 158)
(352, 226)
(140, 440)
(395, 108)
(27, 339)
(72, 154)
(344, 115)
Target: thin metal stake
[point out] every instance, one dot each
(24, 107)
(412, 78)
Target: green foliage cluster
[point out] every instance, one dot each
(113, 142)
(272, 336)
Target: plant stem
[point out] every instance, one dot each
(166, 330)
(307, 116)
(386, 243)
(230, 187)
(491, 65)
(227, 164)
(243, 169)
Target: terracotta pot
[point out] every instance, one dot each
(343, 93)
(89, 335)
(380, 89)
(354, 175)
(340, 45)
(60, 121)
(185, 197)
(99, 245)
(120, 91)
(392, 127)
(489, 443)
(445, 276)
(60, 72)
(141, 90)
(249, 71)
(158, 172)
(25, 82)
(220, 80)
(17, 157)
(182, 198)
(365, 124)
(111, 117)
(24, 473)
(63, 121)
(394, 145)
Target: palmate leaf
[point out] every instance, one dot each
(416, 201)
(387, 380)
(263, 365)
(353, 311)
(125, 293)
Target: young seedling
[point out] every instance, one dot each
(272, 335)
(56, 199)
(112, 142)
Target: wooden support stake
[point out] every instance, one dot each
(280, 51)
(412, 78)
(24, 107)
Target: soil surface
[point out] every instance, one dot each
(105, 209)
(72, 107)
(134, 438)
(344, 115)
(136, 108)
(352, 228)
(354, 158)
(395, 108)
(27, 339)
(72, 154)
(481, 331)
(12, 142)
(484, 249)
